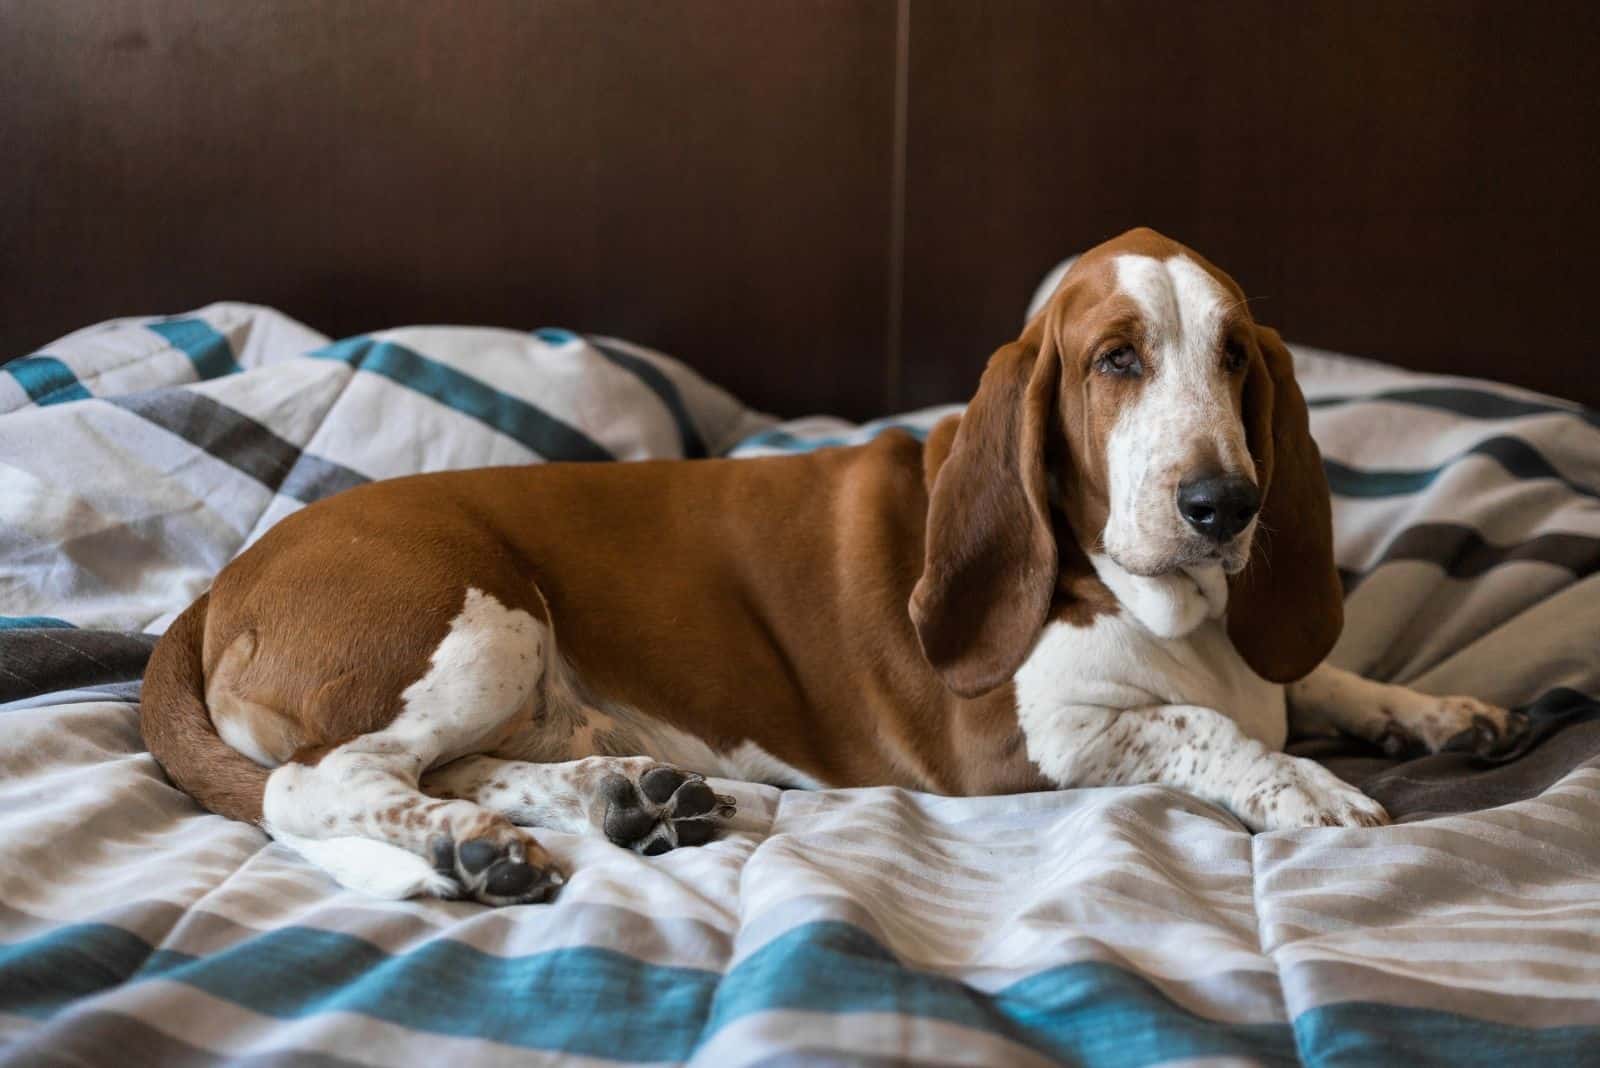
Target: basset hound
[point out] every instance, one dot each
(1115, 567)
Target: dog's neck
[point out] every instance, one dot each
(1171, 605)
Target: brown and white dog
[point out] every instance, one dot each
(1105, 571)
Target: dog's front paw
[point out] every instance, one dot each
(1422, 723)
(1285, 791)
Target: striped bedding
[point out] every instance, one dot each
(1100, 927)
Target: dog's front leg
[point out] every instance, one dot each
(1403, 722)
(1198, 750)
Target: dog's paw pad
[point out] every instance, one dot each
(512, 871)
(660, 783)
(693, 799)
(666, 809)
(629, 818)
(696, 831)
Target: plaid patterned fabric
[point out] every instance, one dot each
(1101, 927)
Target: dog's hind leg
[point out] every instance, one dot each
(635, 802)
(482, 684)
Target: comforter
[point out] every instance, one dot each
(1125, 926)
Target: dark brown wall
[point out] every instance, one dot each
(1415, 182)
(710, 178)
(1405, 180)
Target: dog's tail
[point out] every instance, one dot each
(179, 732)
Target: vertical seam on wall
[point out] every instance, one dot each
(897, 208)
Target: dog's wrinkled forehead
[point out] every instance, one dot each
(1172, 289)
(1180, 303)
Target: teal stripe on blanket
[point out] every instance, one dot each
(593, 1001)
(197, 339)
(45, 974)
(653, 378)
(33, 623)
(46, 380)
(583, 1000)
(1359, 1033)
(656, 380)
(537, 429)
(1084, 1013)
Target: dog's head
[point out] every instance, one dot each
(1145, 416)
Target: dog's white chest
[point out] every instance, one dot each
(1116, 663)
(1168, 646)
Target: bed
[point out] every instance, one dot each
(1104, 926)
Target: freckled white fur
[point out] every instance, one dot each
(1157, 693)
(1184, 399)
(481, 674)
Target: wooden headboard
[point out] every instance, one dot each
(826, 206)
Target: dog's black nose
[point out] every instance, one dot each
(1219, 507)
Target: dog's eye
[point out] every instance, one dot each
(1234, 358)
(1120, 361)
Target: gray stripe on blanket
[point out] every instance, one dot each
(94, 1037)
(313, 478)
(1465, 554)
(43, 661)
(126, 692)
(241, 442)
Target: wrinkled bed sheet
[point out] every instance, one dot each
(1102, 927)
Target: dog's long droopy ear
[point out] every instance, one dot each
(990, 565)
(1286, 608)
